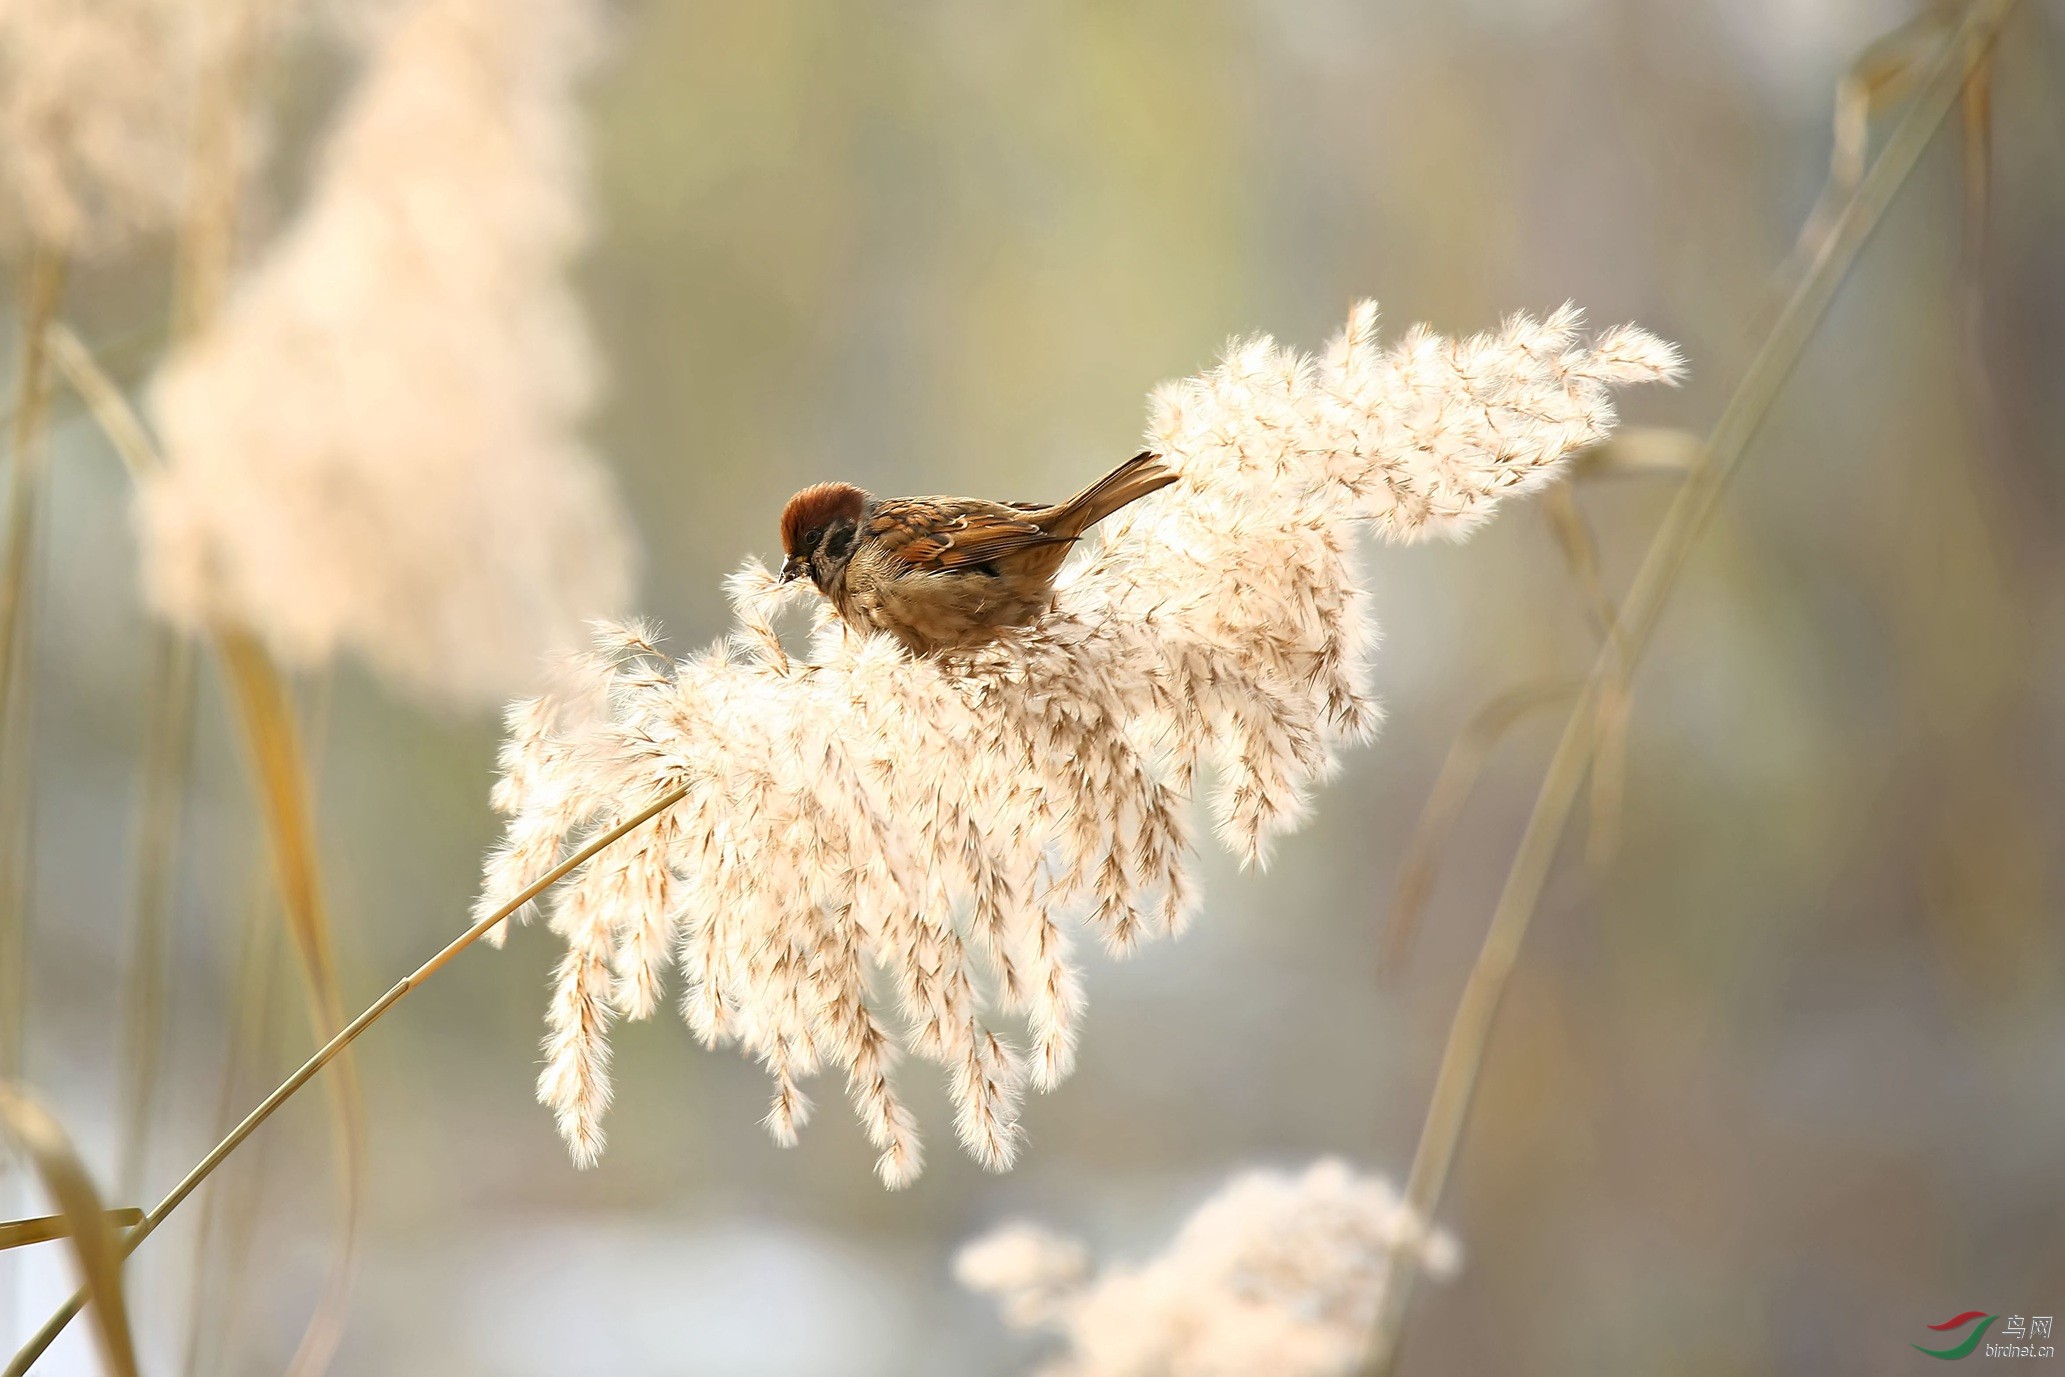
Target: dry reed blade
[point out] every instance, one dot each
(325, 1328)
(148, 342)
(104, 400)
(41, 1340)
(1460, 770)
(1654, 582)
(19, 1233)
(1885, 72)
(273, 741)
(86, 1220)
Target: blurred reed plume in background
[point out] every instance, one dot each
(1276, 1273)
(367, 442)
(375, 448)
(95, 105)
(868, 809)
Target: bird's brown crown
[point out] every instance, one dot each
(817, 506)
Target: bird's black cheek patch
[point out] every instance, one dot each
(839, 540)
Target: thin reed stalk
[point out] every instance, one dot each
(42, 285)
(1690, 511)
(1460, 770)
(1884, 73)
(19, 1233)
(168, 752)
(132, 348)
(235, 1201)
(40, 1341)
(1609, 761)
(103, 399)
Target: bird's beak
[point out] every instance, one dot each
(793, 568)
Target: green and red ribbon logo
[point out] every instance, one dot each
(1963, 1350)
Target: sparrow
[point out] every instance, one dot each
(946, 573)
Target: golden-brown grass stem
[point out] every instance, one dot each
(86, 1222)
(19, 1233)
(1689, 513)
(277, 759)
(41, 1340)
(265, 712)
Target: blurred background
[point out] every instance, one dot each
(1773, 1090)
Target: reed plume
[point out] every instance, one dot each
(374, 448)
(94, 104)
(940, 821)
(1275, 1273)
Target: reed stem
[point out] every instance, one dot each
(47, 1228)
(42, 286)
(41, 1340)
(1690, 511)
(251, 1018)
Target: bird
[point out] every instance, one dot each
(946, 573)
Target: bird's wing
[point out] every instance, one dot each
(944, 533)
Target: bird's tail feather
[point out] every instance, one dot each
(1129, 482)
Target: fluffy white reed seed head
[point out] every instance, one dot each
(94, 103)
(376, 447)
(879, 852)
(1275, 1273)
